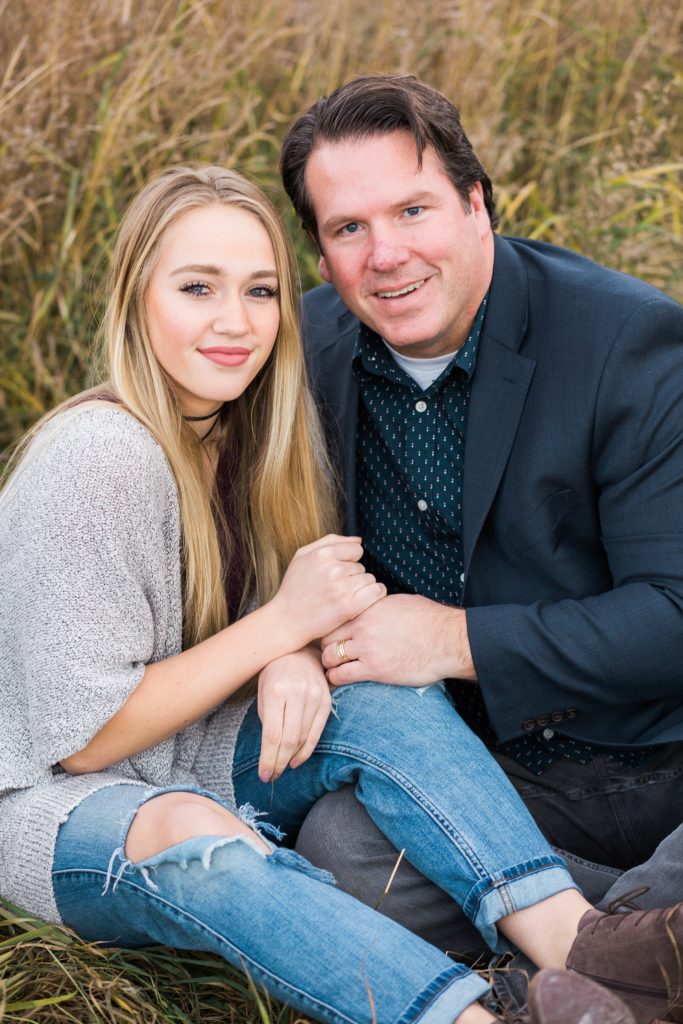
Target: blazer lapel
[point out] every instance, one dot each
(499, 388)
(341, 403)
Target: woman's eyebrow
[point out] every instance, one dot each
(199, 268)
(217, 271)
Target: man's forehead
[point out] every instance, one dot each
(383, 165)
(399, 143)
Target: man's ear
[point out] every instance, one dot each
(323, 271)
(478, 206)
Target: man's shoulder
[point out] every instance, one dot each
(325, 316)
(552, 270)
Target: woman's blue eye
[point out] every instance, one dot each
(263, 291)
(195, 288)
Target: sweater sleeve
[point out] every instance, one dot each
(87, 525)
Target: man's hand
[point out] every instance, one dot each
(293, 704)
(403, 639)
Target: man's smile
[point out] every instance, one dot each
(398, 292)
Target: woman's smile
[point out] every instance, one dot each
(225, 356)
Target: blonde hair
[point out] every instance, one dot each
(283, 488)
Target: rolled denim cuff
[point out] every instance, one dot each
(527, 884)
(445, 999)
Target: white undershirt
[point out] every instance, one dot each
(423, 371)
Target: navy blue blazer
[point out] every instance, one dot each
(573, 492)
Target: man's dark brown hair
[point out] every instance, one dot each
(375, 105)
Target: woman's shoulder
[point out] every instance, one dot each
(99, 436)
(94, 448)
(99, 424)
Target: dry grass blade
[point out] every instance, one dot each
(48, 975)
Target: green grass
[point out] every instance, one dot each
(48, 975)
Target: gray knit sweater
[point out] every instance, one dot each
(90, 592)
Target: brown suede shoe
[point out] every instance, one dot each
(639, 956)
(563, 997)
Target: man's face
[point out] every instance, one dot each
(397, 242)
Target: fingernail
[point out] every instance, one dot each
(265, 776)
(294, 764)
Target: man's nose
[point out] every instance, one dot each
(387, 254)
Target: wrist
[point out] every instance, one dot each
(460, 664)
(283, 627)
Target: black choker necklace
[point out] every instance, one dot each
(209, 431)
(200, 419)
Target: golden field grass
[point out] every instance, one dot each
(574, 106)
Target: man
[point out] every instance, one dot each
(507, 419)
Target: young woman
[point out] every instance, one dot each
(159, 545)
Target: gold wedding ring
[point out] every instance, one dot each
(341, 652)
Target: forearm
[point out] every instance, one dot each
(178, 691)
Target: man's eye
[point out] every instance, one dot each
(195, 288)
(413, 211)
(351, 229)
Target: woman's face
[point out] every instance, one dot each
(212, 305)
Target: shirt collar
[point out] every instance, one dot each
(371, 355)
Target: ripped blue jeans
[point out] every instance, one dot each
(428, 783)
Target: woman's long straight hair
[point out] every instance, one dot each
(283, 490)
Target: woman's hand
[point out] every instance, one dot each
(293, 704)
(325, 585)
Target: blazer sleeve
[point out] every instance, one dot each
(620, 651)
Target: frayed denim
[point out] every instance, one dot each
(429, 784)
(274, 917)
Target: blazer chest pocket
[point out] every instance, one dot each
(544, 523)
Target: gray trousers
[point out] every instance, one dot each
(618, 828)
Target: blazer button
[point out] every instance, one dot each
(571, 712)
(556, 716)
(542, 721)
(529, 725)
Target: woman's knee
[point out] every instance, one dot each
(171, 818)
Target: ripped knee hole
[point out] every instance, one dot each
(171, 818)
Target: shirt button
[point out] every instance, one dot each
(422, 505)
(548, 734)
(462, 577)
(420, 406)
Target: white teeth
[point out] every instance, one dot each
(401, 291)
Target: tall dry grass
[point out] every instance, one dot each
(574, 106)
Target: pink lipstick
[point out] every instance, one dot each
(226, 356)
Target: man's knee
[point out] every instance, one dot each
(171, 818)
(339, 835)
